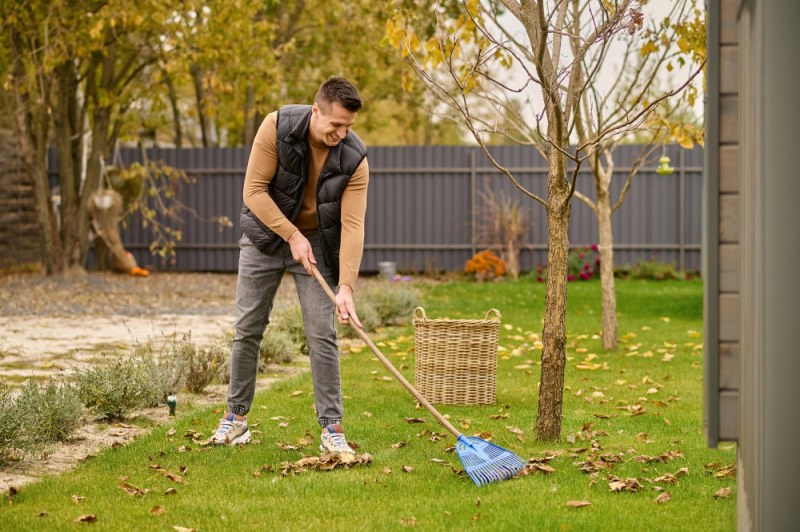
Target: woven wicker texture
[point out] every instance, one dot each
(456, 360)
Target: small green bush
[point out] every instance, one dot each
(648, 270)
(203, 363)
(290, 319)
(277, 347)
(48, 413)
(114, 389)
(394, 302)
(9, 422)
(166, 369)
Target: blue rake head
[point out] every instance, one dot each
(486, 462)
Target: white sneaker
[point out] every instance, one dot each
(231, 432)
(333, 441)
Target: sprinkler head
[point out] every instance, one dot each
(172, 401)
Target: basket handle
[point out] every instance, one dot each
(417, 312)
(497, 314)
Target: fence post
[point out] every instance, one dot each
(682, 203)
(473, 194)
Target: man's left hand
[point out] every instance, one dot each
(345, 307)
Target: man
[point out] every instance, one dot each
(305, 198)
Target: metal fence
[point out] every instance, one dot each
(424, 204)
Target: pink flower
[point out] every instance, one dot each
(594, 247)
(586, 267)
(570, 277)
(584, 276)
(540, 279)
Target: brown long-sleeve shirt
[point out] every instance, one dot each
(261, 169)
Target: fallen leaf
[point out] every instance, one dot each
(411, 521)
(171, 432)
(88, 518)
(42, 514)
(663, 498)
(499, 416)
(722, 493)
(407, 469)
(398, 445)
(517, 431)
(577, 504)
(183, 449)
(478, 502)
(171, 491)
(387, 470)
(617, 484)
(172, 476)
(131, 490)
(157, 509)
(669, 478)
(296, 393)
(76, 499)
(283, 425)
(413, 420)
(183, 529)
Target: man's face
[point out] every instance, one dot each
(330, 122)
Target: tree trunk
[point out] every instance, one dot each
(98, 148)
(250, 126)
(606, 251)
(206, 129)
(554, 336)
(176, 112)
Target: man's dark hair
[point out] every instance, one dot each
(341, 91)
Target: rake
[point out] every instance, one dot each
(483, 461)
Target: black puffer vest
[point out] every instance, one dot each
(287, 186)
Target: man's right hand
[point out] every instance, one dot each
(301, 250)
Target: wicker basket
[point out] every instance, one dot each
(456, 360)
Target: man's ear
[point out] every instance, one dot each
(315, 108)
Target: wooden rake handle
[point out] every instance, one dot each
(397, 375)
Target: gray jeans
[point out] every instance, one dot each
(259, 277)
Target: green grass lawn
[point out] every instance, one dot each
(658, 367)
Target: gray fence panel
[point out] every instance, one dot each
(424, 204)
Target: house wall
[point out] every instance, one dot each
(751, 243)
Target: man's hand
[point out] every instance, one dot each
(345, 308)
(301, 250)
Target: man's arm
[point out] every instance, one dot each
(354, 210)
(261, 168)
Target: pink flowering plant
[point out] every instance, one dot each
(583, 264)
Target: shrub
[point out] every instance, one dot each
(648, 269)
(166, 370)
(203, 364)
(369, 317)
(393, 302)
(485, 266)
(582, 264)
(9, 422)
(290, 319)
(114, 389)
(48, 413)
(277, 347)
